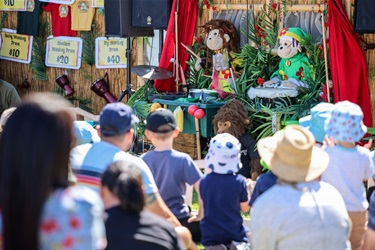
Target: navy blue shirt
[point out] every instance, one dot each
(264, 182)
(222, 221)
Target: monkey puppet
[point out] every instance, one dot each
(222, 40)
(232, 118)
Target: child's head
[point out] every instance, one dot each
(122, 182)
(346, 123)
(316, 120)
(161, 123)
(223, 156)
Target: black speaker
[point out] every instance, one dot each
(151, 13)
(118, 20)
(364, 16)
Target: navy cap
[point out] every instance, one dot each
(116, 118)
(158, 118)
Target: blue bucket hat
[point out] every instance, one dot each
(116, 118)
(316, 120)
(85, 133)
(346, 122)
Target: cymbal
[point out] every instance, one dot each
(151, 72)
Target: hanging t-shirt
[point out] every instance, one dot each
(61, 19)
(82, 14)
(28, 21)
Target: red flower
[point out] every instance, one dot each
(214, 8)
(68, 242)
(300, 73)
(226, 73)
(49, 225)
(274, 6)
(75, 222)
(260, 80)
(321, 48)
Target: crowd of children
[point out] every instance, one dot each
(312, 197)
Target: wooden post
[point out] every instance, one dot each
(198, 136)
(325, 57)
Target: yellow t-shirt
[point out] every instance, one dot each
(82, 14)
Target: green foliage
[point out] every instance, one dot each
(88, 44)
(4, 18)
(82, 103)
(39, 51)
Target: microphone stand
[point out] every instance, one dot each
(128, 91)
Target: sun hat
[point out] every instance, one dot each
(224, 154)
(316, 120)
(292, 156)
(346, 123)
(158, 118)
(116, 118)
(85, 133)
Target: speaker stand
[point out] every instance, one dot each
(128, 90)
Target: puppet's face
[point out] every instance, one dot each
(288, 48)
(215, 41)
(223, 127)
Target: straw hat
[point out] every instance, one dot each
(291, 154)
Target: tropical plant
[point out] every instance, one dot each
(39, 51)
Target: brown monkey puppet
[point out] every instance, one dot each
(221, 38)
(232, 118)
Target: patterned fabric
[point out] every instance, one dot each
(71, 219)
(346, 123)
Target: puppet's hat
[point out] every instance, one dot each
(296, 33)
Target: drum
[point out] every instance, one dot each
(101, 88)
(63, 82)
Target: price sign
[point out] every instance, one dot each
(64, 52)
(13, 5)
(97, 3)
(59, 1)
(110, 53)
(15, 47)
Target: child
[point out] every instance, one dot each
(128, 225)
(172, 169)
(349, 164)
(224, 195)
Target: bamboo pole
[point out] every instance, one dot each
(198, 136)
(325, 57)
(176, 43)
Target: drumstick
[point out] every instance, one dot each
(188, 49)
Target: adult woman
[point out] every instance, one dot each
(38, 208)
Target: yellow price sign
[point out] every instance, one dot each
(16, 47)
(97, 3)
(110, 53)
(13, 5)
(64, 52)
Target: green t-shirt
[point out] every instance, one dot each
(8, 96)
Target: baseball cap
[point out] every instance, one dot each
(158, 118)
(116, 118)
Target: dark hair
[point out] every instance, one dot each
(34, 161)
(124, 180)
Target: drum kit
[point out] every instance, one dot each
(151, 72)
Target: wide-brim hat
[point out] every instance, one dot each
(292, 156)
(346, 122)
